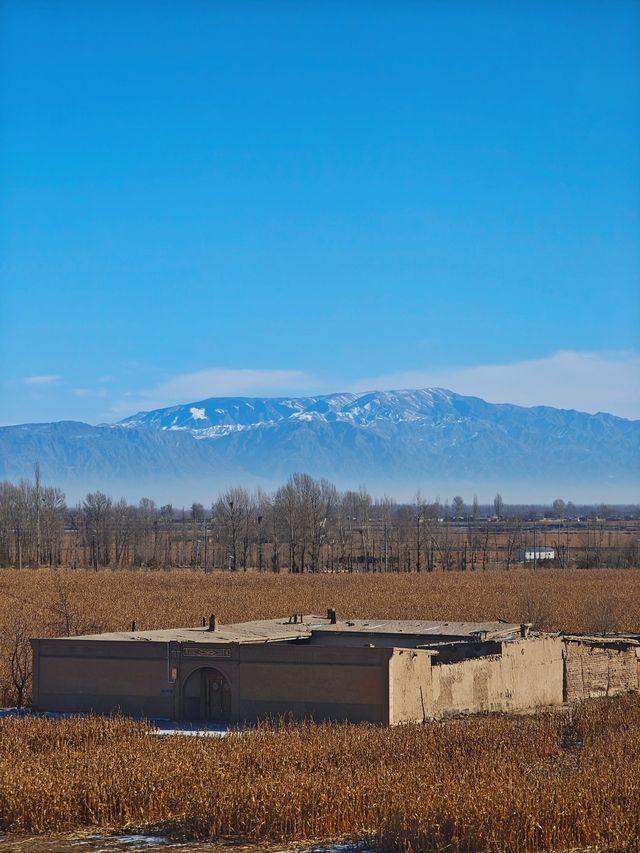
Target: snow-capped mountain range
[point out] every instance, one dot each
(220, 416)
(393, 441)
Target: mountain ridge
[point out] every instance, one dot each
(393, 440)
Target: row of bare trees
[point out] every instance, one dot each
(32, 522)
(305, 525)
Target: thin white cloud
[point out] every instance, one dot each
(216, 382)
(42, 380)
(586, 381)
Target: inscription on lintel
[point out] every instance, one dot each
(207, 653)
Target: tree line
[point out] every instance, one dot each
(305, 525)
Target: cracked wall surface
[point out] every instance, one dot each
(598, 670)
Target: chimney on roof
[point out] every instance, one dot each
(212, 622)
(133, 627)
(331, 615)
(524, 630)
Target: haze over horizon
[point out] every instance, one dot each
(392, 442)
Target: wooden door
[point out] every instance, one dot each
(215, 695)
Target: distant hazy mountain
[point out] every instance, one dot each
(394, 441)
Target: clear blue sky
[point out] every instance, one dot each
(213, 197)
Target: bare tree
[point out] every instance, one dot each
(559, 508)
(387, 507)
(475, 508)
(513, 539)
(64, 612)
(16, 650)
(146, 533)
(458, 507)
(534, 605)
(286, 512)
(231, 512)
(123, 517)
(36, 497)
(498, 505)
(363, 521)
(321, 506)
(96, 509)
(52, 514)
(603, 614)
(166, 521)
(420, 529)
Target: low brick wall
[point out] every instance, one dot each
(598, 668)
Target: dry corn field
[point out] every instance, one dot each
(545, 782)
(555, 781)
(48, 602)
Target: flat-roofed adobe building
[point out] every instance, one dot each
(304, 666)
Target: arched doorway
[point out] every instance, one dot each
(206, 695)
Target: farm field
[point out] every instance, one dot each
(563, 780)
(49, 602)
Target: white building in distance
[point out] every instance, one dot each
(529, 554)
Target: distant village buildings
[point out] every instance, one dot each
(530, 553)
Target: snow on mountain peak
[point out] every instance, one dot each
(218, 415)
(427, 435)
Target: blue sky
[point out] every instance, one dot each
(262, 198)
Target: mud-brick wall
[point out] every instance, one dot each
(527, 674)
(592, 669)
(410, 693)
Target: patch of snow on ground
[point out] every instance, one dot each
(162, 727)
(197, 414)
(165, 727)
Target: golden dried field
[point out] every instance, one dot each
(109, 600)
(563, 780)
(554, 781)
(49, 602)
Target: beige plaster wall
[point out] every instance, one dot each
(410, 687)
(534, 669)
(528, 674)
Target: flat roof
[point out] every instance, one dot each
(260, 631)
(422, 628)
(604, 639)
(282, 629)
